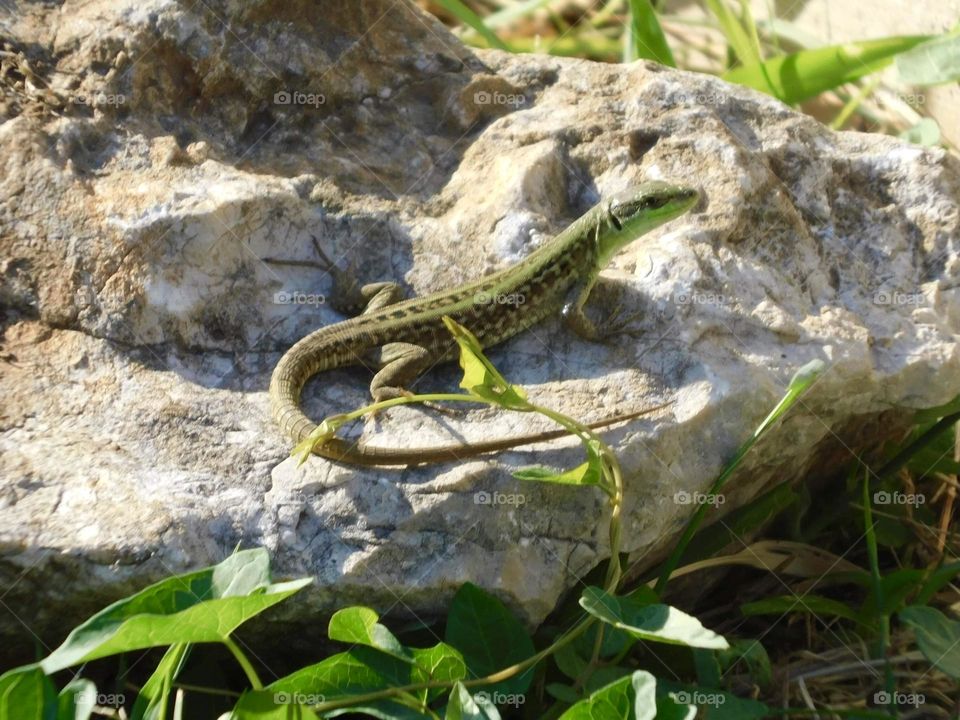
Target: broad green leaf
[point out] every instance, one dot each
(931, 63)
(26, 693)
(335, 678)
(77, 700)
(464, 706)
(613, 702)
(203, 606)
(813, 604)
(646, 38)
(151, 702)
(361, 670)
(630, 697)
(265, 705)
(441, 663)
(938, 637)
(926, 133)
(657, 623)
(359, 626)
(645, 695)
(468, 17)
(489, 637)
(806, 73)
(589, 473)
(480, 377)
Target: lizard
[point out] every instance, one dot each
(404, 338)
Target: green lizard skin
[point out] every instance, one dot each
(554, 279)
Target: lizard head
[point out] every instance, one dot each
(631, 213)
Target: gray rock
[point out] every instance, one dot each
(168, 150)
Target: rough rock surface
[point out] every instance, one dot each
(154, 153)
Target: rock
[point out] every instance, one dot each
(182, 146)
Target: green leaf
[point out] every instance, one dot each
(657, 623)
(630, 697)
(938, 637)
(203, 606)
(77, 700)
(813, 604)
(439, 663)
(926, 133)
(931, 63)
(337, 677)
(320, 434)
(645, 692)
(613, 702)
(806, 73)
(26, 693)
(489, 637)
(480, 377)
(589, 473)
(468, 17)
(359, 626)
(151, 702)
(464, 706)
(361, 670)
(646, 38)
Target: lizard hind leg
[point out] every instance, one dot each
(400, 364)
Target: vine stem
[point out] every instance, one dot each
(244, 663)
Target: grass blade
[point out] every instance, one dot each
(742, 39)
(469, 18)
(645, 38)
(804, 74)
(801, 381)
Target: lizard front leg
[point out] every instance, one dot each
(576, 319)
